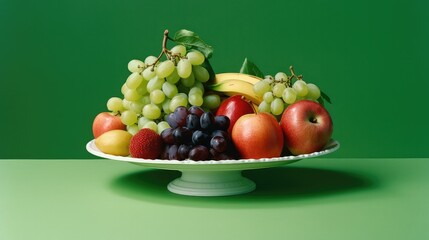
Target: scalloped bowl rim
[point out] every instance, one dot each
(332, 146)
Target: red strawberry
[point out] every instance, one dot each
(146, 144)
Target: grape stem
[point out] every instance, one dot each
(163, 51)
(293, 75)
(288, 80)
(167, 52)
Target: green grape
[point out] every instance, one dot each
(148, 73)
(201, 74)
(170, 90)
(313, 91)
(133, 129)
(154, 84)
(199, 85)
(280, 76)
(128, 117)
(278, 89)
(136, 66)
(126, 104)
(195, 99)
(145, 99)
(268, 97)
(195, 57)
(269, 78)
(277, 106)
(166, 106)
(173, 77)
(114, 104)
(182, 95)
(142, 88)
(165, 69)
(289, 95)
(211, 101)
(261, 87)
(189, 81)
(264, 107)
(159, 105)
(178, 100)
(184, 68)
(298, 98)
(134, 80)
(300, 87)
(150, 60)
(269, 81)
(151, 125)
(196, 90)
(179, 50)
(137, 107)
(151, 111)
(124, 89)
(132, 95)
(162, 126)
(157, 96)
(142, 121)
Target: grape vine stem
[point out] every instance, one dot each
(164, 49)
(293, 75)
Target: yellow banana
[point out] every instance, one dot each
(221, 77)
(236, 87)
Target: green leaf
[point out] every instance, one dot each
(250, 68)
(320, 100)
(326, 97)
(191, 40)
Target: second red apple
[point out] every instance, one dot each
(258, 136)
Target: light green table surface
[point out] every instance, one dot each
(312, 199)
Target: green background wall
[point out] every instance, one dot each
(61, 60)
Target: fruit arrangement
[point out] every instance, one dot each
(174, 106)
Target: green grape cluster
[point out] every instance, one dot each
(157, 87)
(280, 91)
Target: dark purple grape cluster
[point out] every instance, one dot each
(196, 135)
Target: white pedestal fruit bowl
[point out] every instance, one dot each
(212, 177)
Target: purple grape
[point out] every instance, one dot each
(200, 138)
(224, 156)
(182, 135)
(214, 154)
(183, 151)
(220, 133)
(193, 122)
(196, 110)
(219, 144)
(222, 122)
(172, 152)
(164, 154)
(171, 120)
(180, 114)
(167, 136)
(207, 120)
(199, 153)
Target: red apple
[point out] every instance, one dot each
(307, 127)
(234, 107)
(105, 122)
(258, 135)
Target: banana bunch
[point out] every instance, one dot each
(236, 84)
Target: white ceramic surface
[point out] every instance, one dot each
(212, 177)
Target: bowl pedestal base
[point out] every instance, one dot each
(211, 183)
